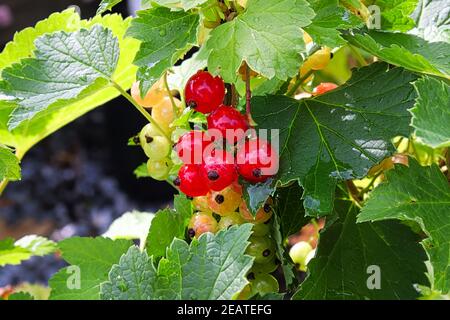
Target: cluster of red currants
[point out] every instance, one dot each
(214, 159)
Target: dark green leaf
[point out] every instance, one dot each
(405, 50)
(92, 258)
(420, 194)
(347, 252)
(167, 225)
(431, 113)
(255, 195)
(339, 135)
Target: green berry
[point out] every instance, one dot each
(159, 170)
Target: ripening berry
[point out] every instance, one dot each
(320, 59)
(201, 203)
(153, 96)
(230, 220)
(159, 170)
(263, 284)
(324, 87)
(204, 93)
(299, 252)
(154, 144)
(261, 248)
(201, 223)
(163, 113)
(262, 215)
(226, 201)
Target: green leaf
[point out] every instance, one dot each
(23, 249)
(9, 165)
(61, 69)
(256, 194)
(210, 268)
(167, 225)
(141, 171)
(131, 225)
(266, 36)
(347, 250)
(178, 4)
(166, 36)
(329, 19)
(339, 135)
(290, 210)
(405, 50)
(107, 5)
(20, 296)
(90, 259)
(431, 113)
(286, 263)
(395, 14)
(422, 195)
(180, 75)
(64, 111)
(432, 20)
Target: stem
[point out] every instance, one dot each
(248, 96)
(3, 185)
(353, 191)
(140, 109)
(298, 83)
(362, 62)
(363, 191)
(169, 93)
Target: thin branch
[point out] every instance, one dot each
(298, 83)
(248, 96)
(353, 192)
(140, 109)
(169, 93)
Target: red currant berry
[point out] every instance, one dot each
(191, 146)
(324, 87)
(204, 93)
(191, 181)
(229, 119)
(219, 170)
(256, 160)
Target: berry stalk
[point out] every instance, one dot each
(139, 108)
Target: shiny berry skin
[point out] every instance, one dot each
(230, 220)
(155, 146)
(320, 59)
(260, 229)
(262, 249)
(256, 160)
(200, 223)
(268, 267)
(226, 201)
(159, 170)
(264, 283)
(324, 87)
(219, 170)
(299, 253)
(226, 118)
(204, 93)
(153, 96)
(262, 215)
(201, 203)
(163, 113)
(191, 146)
(191, 182)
